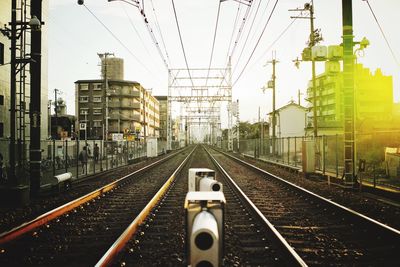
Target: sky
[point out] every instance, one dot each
(76, 36)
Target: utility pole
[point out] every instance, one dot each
(56, 109)
(271, 85)
(35, 93)
(13, 90)
(299, 97)
(348, 93)
(103, 58)
(312, 42)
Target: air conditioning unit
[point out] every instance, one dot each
(335, 52)
(332, 66)
(319, 53)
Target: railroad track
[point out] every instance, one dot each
(321, 231)
(160, 241)
(80, 232)
(38, 206)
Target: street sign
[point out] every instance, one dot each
(82, 126)
(118, 137)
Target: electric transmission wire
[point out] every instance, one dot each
(248, 34)
(153, 37)
(159, 30)
(233, 33)
(244, 20)
(274, 42)
(258, 41)
(213, 44)
(118, 40)
(383, 33)
(135, 29)
(183, 48)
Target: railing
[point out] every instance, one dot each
(63, 156)
(380, 168)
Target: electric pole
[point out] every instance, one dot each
(315, 37)
(56, 110)
(271, 84)
(348, 92)
(103, 58)
(35, 93)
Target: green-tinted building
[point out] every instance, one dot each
(373, 101)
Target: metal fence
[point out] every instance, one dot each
(381, 167)
(63, 156)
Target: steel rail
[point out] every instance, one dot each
(358, 215)
(120, 243)
(52, 214)
(293, 257)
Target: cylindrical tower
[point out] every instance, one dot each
(115, 68)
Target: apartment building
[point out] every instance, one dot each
(163, 101)
(373, 99)
(132, 110)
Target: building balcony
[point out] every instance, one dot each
(122, 117)
(114, 104)
(130, 105)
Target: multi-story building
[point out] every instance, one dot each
(373, 100)
(22, 77)
(131, 108)
(163, 101)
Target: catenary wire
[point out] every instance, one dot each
(160, 32)
(248, 34)
(180, 38)
(118, 40)
(383, 34)
(213, 44)
(258, 41)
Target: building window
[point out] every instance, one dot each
(1, 100)
(84, 87)
(96, 123)
(1, 129)
(83, 99)
(97, 111)
(84, 111)
(97, 99)
(97, 86)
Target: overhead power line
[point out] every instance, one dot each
(160, 32)
(213, 44)
(258, 41)
(383, 33)
(248, 34)
(118, 40)
(183, 48)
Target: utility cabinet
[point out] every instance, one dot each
(151, 147)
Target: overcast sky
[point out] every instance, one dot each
(75, 38)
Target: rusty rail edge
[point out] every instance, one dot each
(337, 205)
(120, 243)
(294, 259)
(52, 214)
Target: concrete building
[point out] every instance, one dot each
(290, 120)
(23, 88)
(163, 101)
(373, 100)
(132, 110)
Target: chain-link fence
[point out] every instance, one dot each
(79, 157)
(379, 154)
